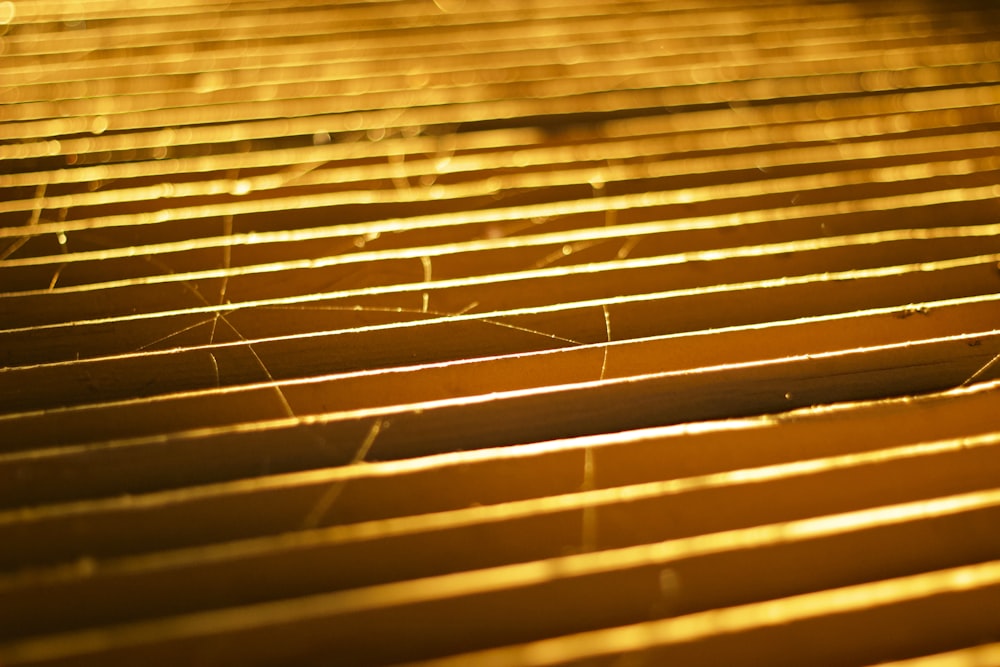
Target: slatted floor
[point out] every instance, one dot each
(544, 332)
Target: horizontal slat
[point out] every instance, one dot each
(621, 358)
(495, 419)
(883, 618)
(577, 592)
(981, 656)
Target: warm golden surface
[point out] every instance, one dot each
(542, 332)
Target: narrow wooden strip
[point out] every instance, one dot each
(385, 111)
(886, 619)
(554, 467)
(506, 418)
(287, 63)
(256, 358)
(336, 622)
(646, 70)
(987, 655)
(467, 377)
(841, 121)
(385, 285)
(802, 160)
(448, 27)
(582, 591)
(246, 131)
(453, 482)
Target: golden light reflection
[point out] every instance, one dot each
(660, 634)
(7, 12)
(979, 656)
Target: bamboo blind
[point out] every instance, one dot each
(545, 332)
